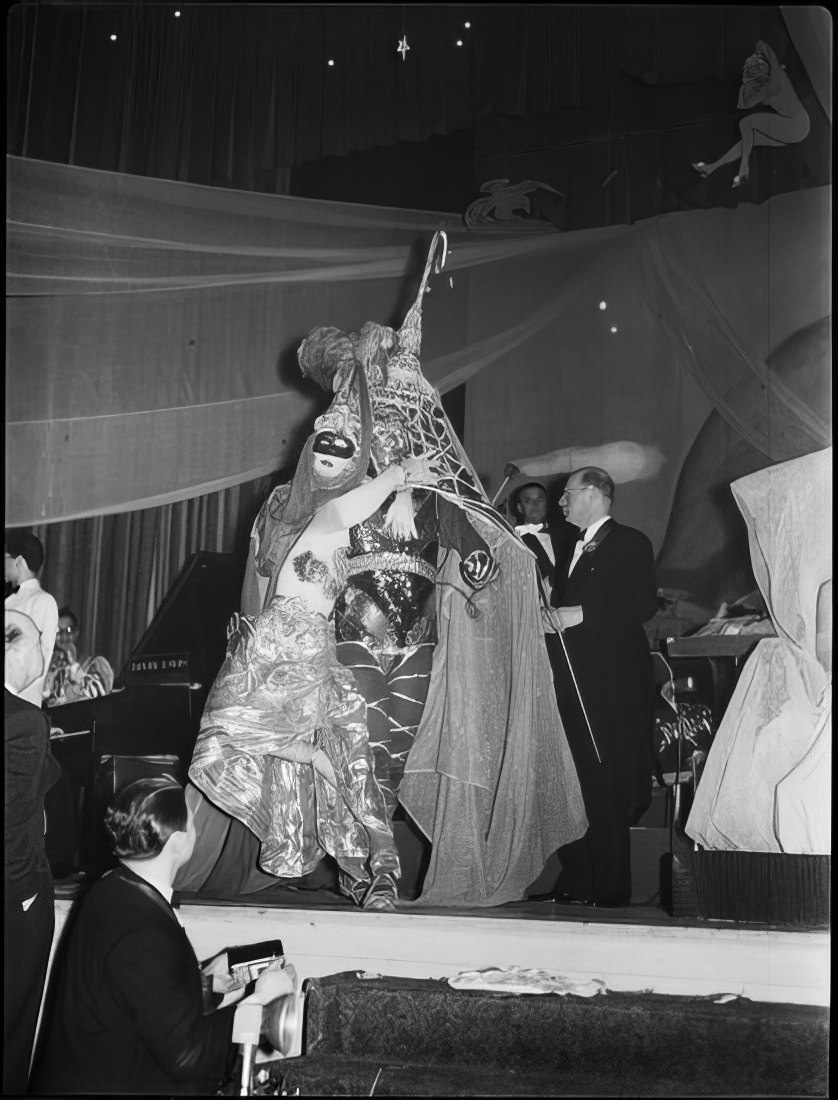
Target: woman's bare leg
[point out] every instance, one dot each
(731, 155)
(747, 143)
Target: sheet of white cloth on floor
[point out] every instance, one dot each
(519, 979)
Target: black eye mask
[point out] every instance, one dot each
(328, 443)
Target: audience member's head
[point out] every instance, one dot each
(24, 659)
(588, 496)
(68, 629)
(529, 503)
(150, 820)
(23, 557)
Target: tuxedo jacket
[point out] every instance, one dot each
(127, 1012)
(615, 586)
(30, 771)
(562, 539)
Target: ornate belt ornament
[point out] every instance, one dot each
(391, 561)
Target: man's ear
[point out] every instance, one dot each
(176, 841)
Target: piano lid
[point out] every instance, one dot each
(187, 638)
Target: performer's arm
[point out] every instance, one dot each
(776, 75)
(764, 50)
(358, 504)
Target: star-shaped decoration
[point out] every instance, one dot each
(403, 47)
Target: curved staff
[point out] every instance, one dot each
(554, 621)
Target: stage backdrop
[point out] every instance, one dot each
(152, 329)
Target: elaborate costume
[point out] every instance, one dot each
(496, 796)
(281, 686)
(69, 679)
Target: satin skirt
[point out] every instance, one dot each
(282, 689)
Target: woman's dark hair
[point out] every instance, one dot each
(143, 815)
(68, 613)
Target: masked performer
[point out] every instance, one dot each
(283, 742)
(442, 630)
(439, 623)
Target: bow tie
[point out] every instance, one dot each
(531, 529)
(581, 536)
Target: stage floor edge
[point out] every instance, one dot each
(776, 965)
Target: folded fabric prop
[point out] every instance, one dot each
(519, 979)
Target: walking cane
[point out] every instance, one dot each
(557, 625)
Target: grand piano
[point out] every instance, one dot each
(149, 723)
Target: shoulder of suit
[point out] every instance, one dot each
(628, 532)
(13, 706)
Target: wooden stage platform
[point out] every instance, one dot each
(636, 948)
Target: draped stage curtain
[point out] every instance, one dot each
(236, 95)
(173, 312)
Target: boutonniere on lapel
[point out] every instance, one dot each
(600, 536)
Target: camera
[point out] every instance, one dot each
(247, 962)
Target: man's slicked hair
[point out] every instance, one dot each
(23, 544)
(593, 475)
(143, 815)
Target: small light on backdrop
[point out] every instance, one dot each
(613, 328)
(467, 26)
(113, 38)
(459, 41)
(177, 15)
(330, 63)
(403, 47)
(602, 305)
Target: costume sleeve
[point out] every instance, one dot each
(157, 975)
(356, 505)
(630, 596)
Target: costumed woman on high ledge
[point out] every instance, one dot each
(283, 744)
(764, 81)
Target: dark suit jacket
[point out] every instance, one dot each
(562, 538)
(615, 586)
(127, 1014)
(30, 772)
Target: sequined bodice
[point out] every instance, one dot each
(330, 575)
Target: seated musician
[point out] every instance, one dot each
(73, 676)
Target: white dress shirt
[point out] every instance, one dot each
(582, 543)
(42, 609)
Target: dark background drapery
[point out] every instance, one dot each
(607, 104)
(238, 95)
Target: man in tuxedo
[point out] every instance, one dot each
(603, 597)
(23, 561)
(27, 882)
(548, 541)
